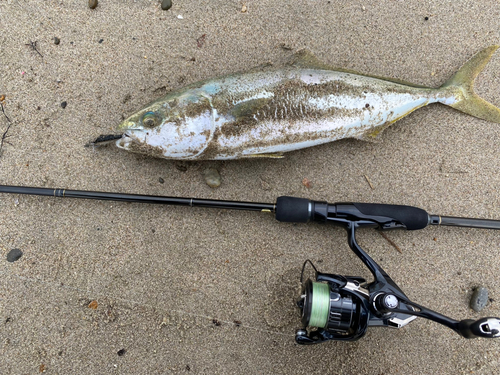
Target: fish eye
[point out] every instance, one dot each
(150, 120)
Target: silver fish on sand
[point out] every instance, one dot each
(266, 112)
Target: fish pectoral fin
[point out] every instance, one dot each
(248, 108)
(275, 155)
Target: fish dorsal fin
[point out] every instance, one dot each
(261, 68)
(307, 60)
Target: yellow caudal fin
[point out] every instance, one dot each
(468, 101)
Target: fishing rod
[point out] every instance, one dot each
(333, 307)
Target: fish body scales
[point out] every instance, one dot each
(304, 108)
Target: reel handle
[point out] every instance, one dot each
(484, 327)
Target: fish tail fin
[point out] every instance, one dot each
(468, 101)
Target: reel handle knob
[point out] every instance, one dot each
(484, 327)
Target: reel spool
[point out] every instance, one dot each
(324, 307)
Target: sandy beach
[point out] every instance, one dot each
(127, 288)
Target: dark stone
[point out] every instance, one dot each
(166, 4)
(479, 299)
(14, 255)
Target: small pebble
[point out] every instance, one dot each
(307, 183)
(180, 17)
(64, 104)
(93, 4)
(212, 177)
(161, 180)
(479, 299)
(101, 40)
(166, 4)
(121, 352)
(181, 167)
(57, 40)
(14, 255)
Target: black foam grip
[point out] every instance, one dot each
(412, 217)
(292, 210)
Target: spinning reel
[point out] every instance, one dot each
(336, 307)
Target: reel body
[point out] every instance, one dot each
(342, 308)
(344, 313)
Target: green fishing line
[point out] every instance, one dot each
(320, 305)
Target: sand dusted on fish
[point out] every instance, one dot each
(267, 112)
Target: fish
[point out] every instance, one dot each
(268, 111)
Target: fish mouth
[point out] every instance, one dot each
(130, 137)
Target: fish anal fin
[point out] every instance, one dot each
(372, 135)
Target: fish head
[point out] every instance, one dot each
(177, 126)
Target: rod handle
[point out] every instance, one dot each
(293, 210)
(412, 218)
(301, 210)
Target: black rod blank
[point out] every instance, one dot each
(465, 222)
(214, 203)
(192, 202)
